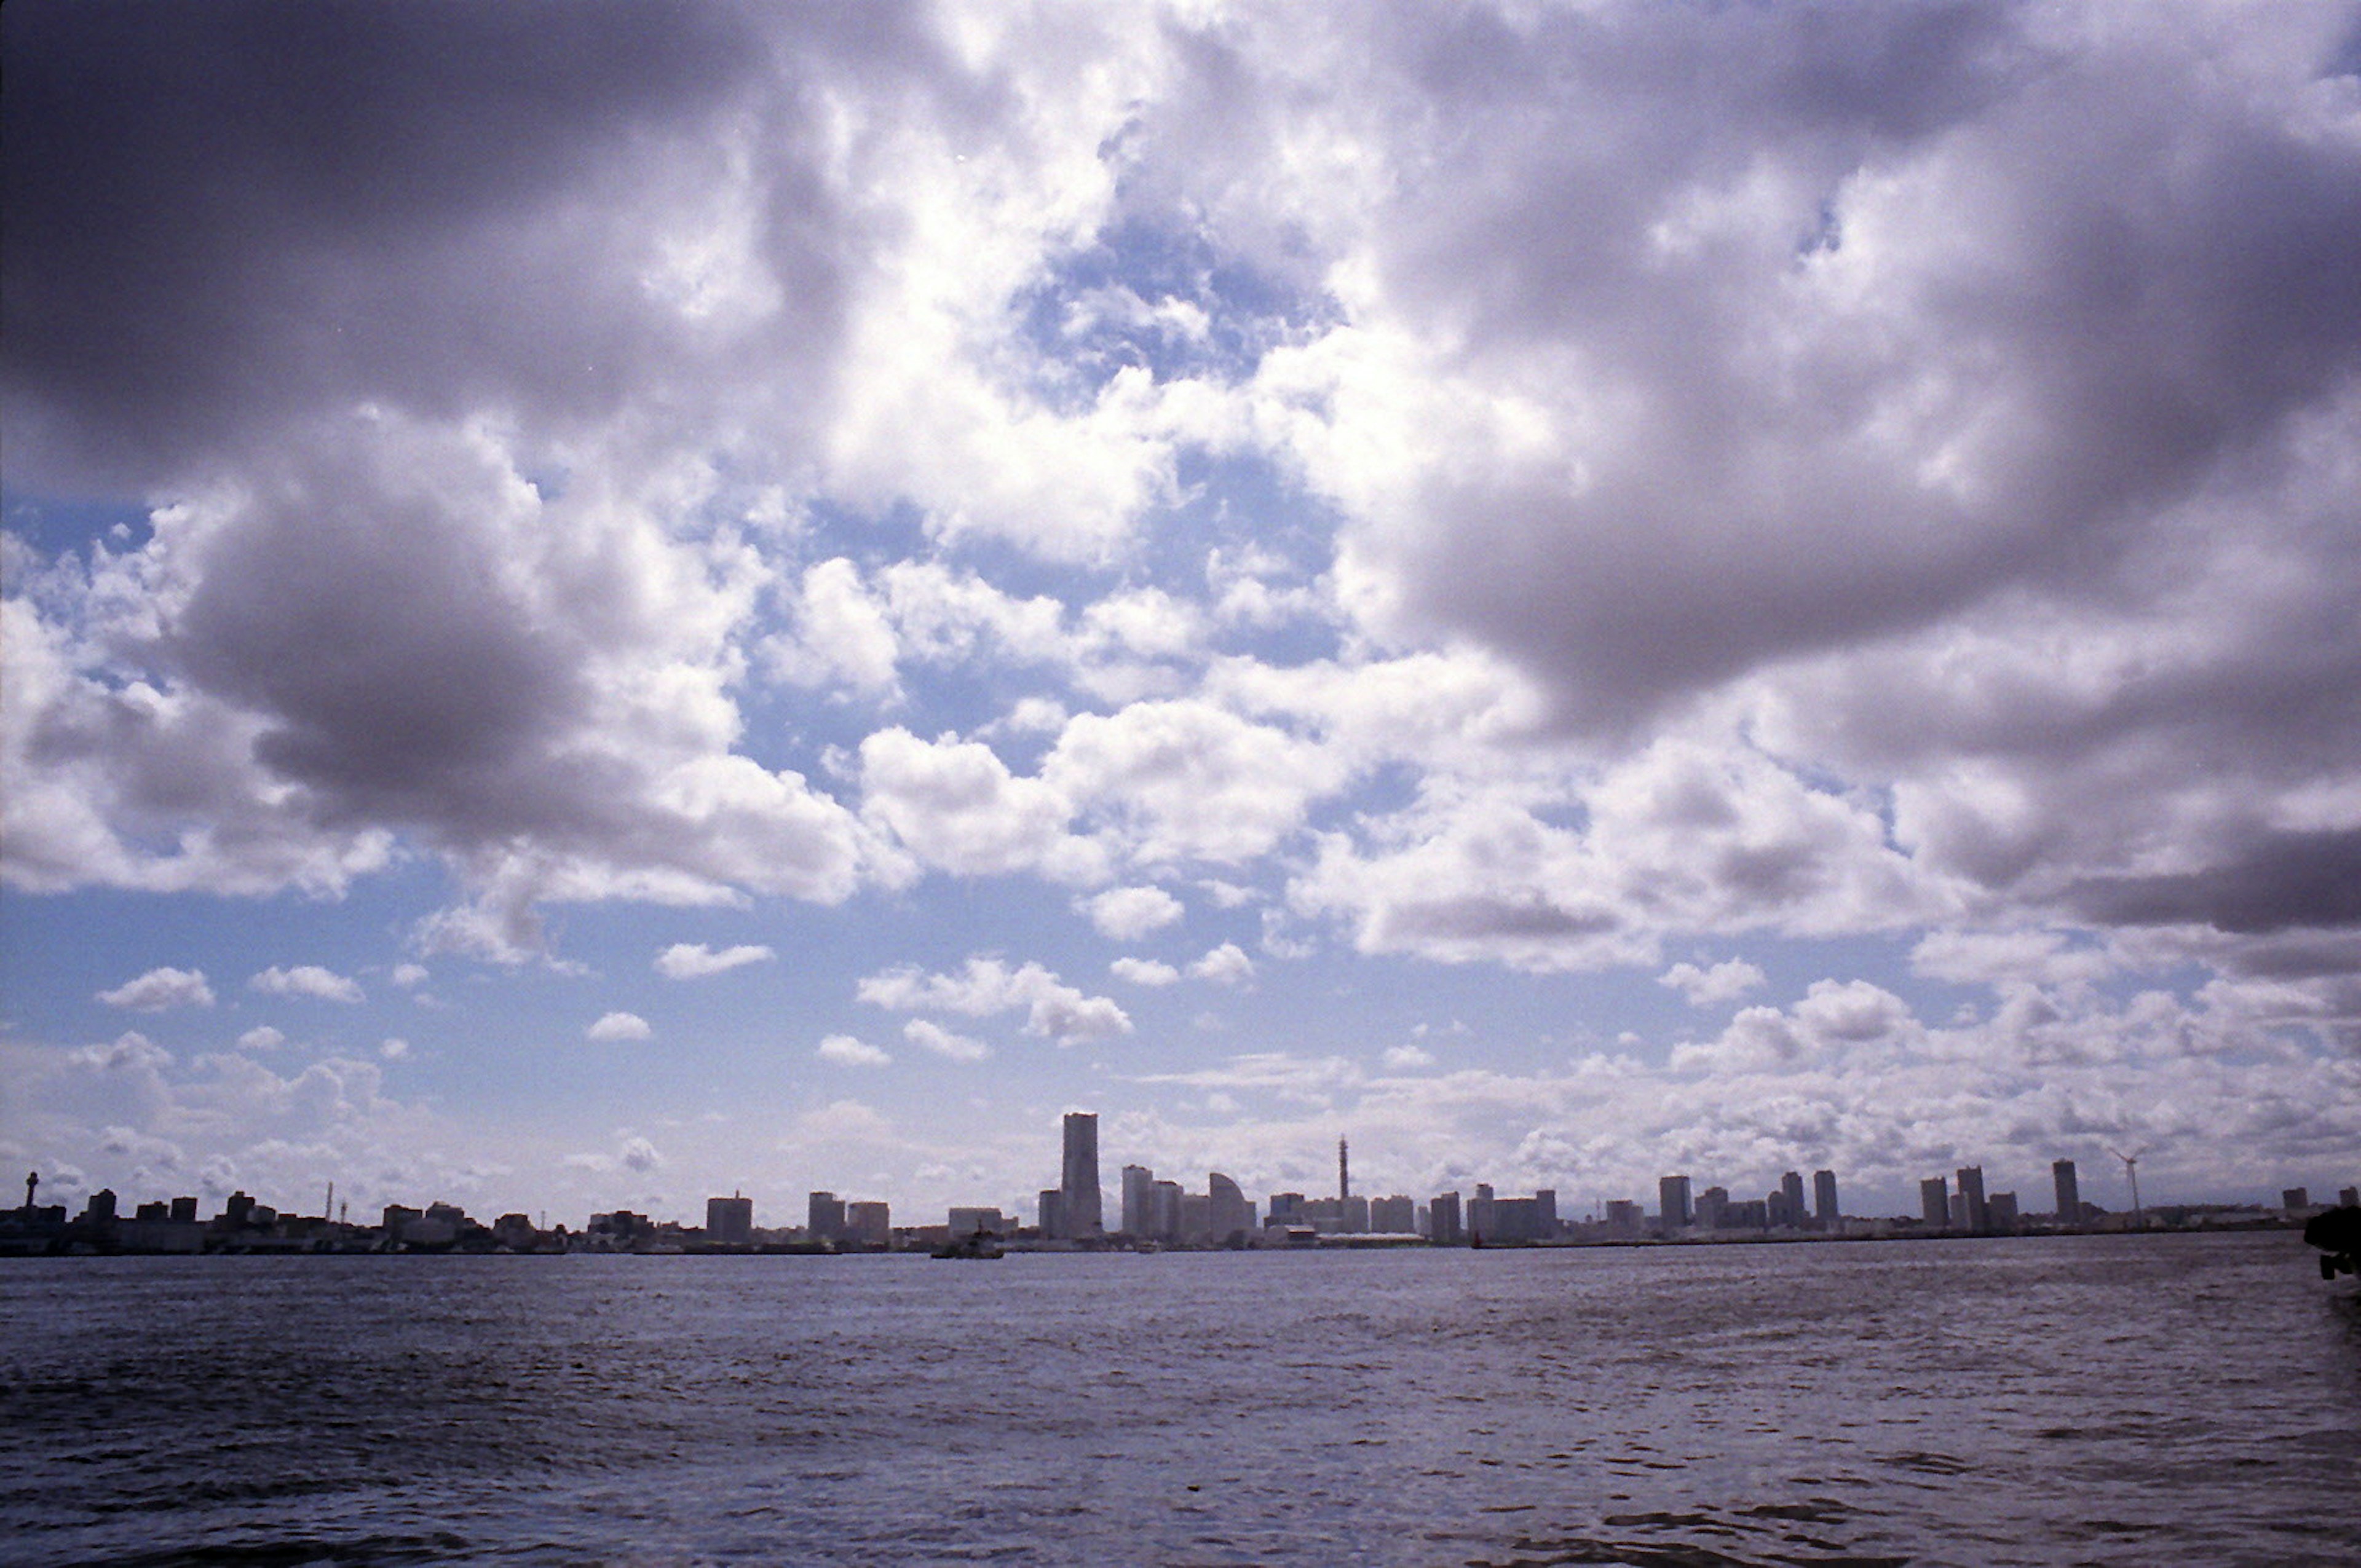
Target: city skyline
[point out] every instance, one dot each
(608, 604)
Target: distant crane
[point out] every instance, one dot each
(2131, 1170)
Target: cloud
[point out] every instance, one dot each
(619, 1027)
(988, 986)
(955, 806)
(933, 1036)
(1725, 981)
(159, 989)
(1406, 1059)
(408, 976)
(1144, 971)
(1128, 913)
(262, 1038)
(638, 1154)
(1225, 965)
(685, 961)
(844, 1050)
(394, 1049)
(307, 980)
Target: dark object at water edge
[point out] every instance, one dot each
(2337, 1234)
(976, 1245)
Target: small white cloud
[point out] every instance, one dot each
(159, 989)
(408, 975)
(1144, 971)
(1226, 965)
(263, 1038)
(130, 1049)
(306, 980)
(638, 1154)
(942, 1042)
(1711, 987)
(846, 1051)
(1128, 913)
(395, 1050)
(619, 1027)
(1405, 1057)
(685, 960)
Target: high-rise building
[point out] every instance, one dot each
(1779, 1213)
(1673, 1202)
(1228, 1214)
(1622, 1217)
(2000, 1213)
(1481, 1225)
(1791, 1187)
(730, 1220)
(1935, 1202)
(2292, 1199)
(1050, 1212)
(869, 1223)
(2069, 1191)
(1352, 1216)
(1712, 1208)
(972, 1221)
(1080, 1183)
(1443, 1219)
(1397, 1215)
(1825, 1212)
(1972, 1188)
(1138, 1181)
(825, 1217)
(1545, 1212)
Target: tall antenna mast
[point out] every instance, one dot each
(1343, 1174)
(2131, 1170)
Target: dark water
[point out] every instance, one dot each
(2133, 1400)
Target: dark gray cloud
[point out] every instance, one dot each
(220, 213)
(2285, 880)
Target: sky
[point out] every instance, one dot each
(611, 603)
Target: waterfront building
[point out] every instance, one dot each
(1622, 1217)
(967, 1222)
(2349, 1198)
(1164, 1210)
(1352, 1216)
(184, 1211)
(516, 1232)
(1545, 1212)
(1935, 1203)
(1196, 1218)
(1712, 1208)
(1672, 1203)
(1780, 1211)
(2292, 1199)
(1229, 1216)
(824, 1219)
(1442, 1225)
(729, 1221)
(1285, 1209)
(1791, 1187)
(1481, 1225)
(1825, 1212)
(1959, 1214)
(1397, 1215)
(869, 1223)
(2000, 1213)
(1138, 1182)
(1050, 1212)
(2069, 1191)
(1080, 1183)
(1753, 1215)
(1972, 1189)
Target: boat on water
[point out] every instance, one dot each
(977, 1245)
(2337, 1234)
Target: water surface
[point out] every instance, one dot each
(2149, 1401)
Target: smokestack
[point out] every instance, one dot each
(1343, 1173)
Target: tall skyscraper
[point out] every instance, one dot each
(1228, 1212)
(1824, 1200)
(2069, 1191)
(730, 1220)
(1935, 1202)
(1972, 1189)
(1673, 1202)
(1443, 1219)
(1139, 1186)
(1081, 1185)
(824, 1217)
(1791, 1187)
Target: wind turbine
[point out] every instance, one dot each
(2131, 1170)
